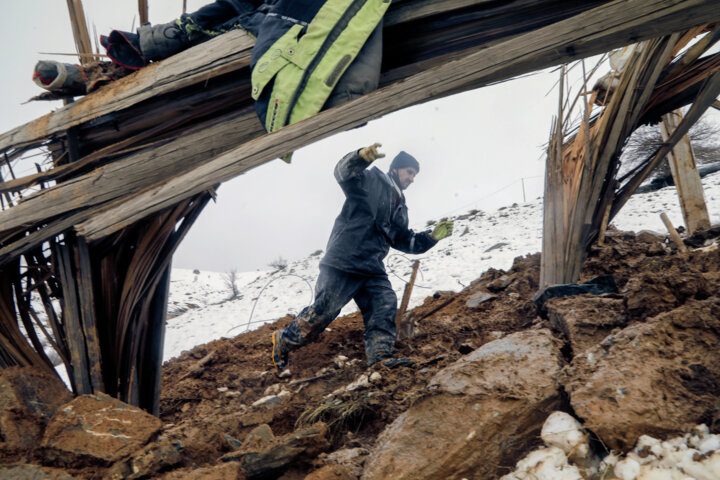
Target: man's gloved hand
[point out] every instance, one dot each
(370, 154)
(442, 230)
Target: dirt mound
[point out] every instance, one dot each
(215, 395)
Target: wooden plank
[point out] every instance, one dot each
(586, 34)
(673, 233)
(151, 376)
(225, 53)
(83, 45)
(219, 55)
(400, 325)
(702, 102)
(143, 10)
(86, 299)
(136, 172)
(410, 11)
(73, 326)
(686, 176)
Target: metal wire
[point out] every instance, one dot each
(247, 327)
(409, 260)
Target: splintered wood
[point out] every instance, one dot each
(582, 191)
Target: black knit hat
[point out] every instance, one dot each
(403, 160)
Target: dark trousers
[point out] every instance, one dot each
(374, 297)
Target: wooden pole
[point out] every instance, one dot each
(686, 176)
(80, 31)
(86, 300)
(80, 378)
(399, 323)
(604, 225)
(150, 381)
(143, 9)
(673, 233)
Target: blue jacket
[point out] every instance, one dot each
(374, 218)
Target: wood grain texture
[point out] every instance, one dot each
(595, 31)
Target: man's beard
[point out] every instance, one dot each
(396, 178)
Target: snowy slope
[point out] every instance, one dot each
(201, 312)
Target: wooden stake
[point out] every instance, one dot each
(86, 299)
(673, 233)
(400, 324)
(686, 176)
(143, 9)
(604, 225)
(80, 31)
(80, 378)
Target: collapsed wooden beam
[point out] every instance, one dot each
(686, 176)
(597, 30)
(230, 52)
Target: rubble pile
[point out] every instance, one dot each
(619, 386)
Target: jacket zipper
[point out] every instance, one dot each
(341, 25)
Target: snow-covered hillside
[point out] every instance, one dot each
(200, 310)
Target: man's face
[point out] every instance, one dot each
(406, 176)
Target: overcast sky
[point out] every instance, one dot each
(473, 148)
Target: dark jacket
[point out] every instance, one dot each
(374, 218)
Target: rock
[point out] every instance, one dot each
(331, 472)
(340, 361)
(496, 246)
(223, 471)
(500, 283)
(268, 461)
(654, 378)
(285, 373)
(98, 427)
(352, 459)
(478, 298)
(29, 396)
(648, 236)
(274, 389)
(232, 442)
(651, 293)
(488, 408)
(270, 400)
(375, 377)
(32, 472)
(585, 321)
(149, 461)
(259, 438)
(359, 383)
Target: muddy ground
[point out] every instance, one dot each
(198, 407)
(228, 388)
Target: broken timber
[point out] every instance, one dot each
(152, 145)
(686, 177)
(586, 34)
(582, 192)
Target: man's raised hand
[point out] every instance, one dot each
(370, 154)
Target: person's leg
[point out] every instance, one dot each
(334, 289)
(378, 303)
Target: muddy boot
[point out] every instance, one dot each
(398, 362)
(279, 353)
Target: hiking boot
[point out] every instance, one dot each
(392, 362)
(398, 362)
(279, 355)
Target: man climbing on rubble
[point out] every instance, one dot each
(373, 218)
